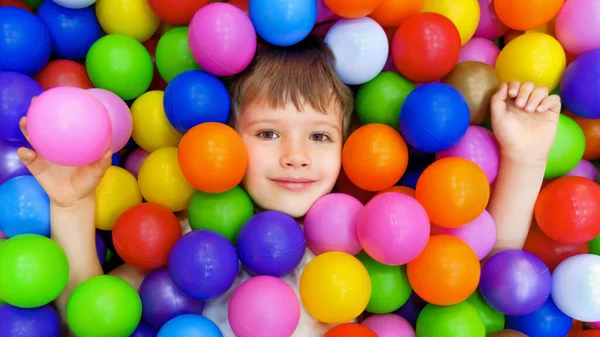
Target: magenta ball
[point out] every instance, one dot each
(69, 126)
(330, 224)
(265, 306)
(134, 161)
(577, 26)
(120, 117)
(479, 234)
(222, 39)
(584, 169)
(389, 325)
(324, 13)
(481, 50)
(490, 27)
(393, 228)
(594, 324)
(479, 146)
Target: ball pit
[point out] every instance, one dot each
(389, 325)
(464, 14)
(283, 22)
(573, 287)
(151, 128)
(24, 207)
(10, 164)
(132, 18)
(18, 322)
(16, 93)
(576, 26)
(189, 325)
(173, 55)
(461, 319)
(59, 73)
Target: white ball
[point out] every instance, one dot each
(74, 4)
(576, 287)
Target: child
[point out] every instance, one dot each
(293, 112)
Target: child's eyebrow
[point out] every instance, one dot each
(332, 125)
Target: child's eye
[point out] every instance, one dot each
(268, 134)
(320, 137)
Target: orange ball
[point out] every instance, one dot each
(591, 131)
(526, 14)
(550, 251)
(353, 9)
(375, 157)
(447, 272)
(391, 13)
(454, 192)
(212, 157)
(350, 330)
(399, 189)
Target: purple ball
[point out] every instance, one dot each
(162, 300)
(203, 264)
(515, 282)
(580, 85)
(36, 322)
(271, 243)
(144, 330)
(16, 92)
(100, 248)
(411, 309)
(10, 164)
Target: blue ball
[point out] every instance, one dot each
(24, 41)
(72, 31)
(116, 159)
(434, 117)
(190, 326)
(283, 22)
(36, 322)
(271, 243)
(547, 321)
(194, 97)
(144, 330)
(24, 207)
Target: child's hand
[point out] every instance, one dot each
(66, 186)
(525, 120)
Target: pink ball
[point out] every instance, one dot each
(265, 306)
(479, 49)
(330, 224)
(584, 169)
(222, 39)
(324, 13)
(490, 27)
(578, 27)
(479, 234)
(389, 325)
(134, 161)
(479, 146)
(393, 228)
(120, 117)
(594, 324)
(69, 126)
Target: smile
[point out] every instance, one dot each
(294, 184)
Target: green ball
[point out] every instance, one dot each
(380, 100)
(492, 318)
(459, 320)
(594, 246)
(104, 306)
(34, 4)
(34, 270)
(225, 213)
(173, 54)
(389, 285)
(567, 150)
(120, 64)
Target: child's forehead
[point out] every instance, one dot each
(263, 110)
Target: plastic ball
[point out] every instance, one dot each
(59, 73)
(393, 228)
(580, 85)
(163, 301)
(532, 57)
(195, 97)
(574, 288)
(526, 15)
(350, 329)
(24, 207)
(151, 127)
(104, 305)
(33, 271)
(461, 319)
(189, 325)
(10, 164)
(360, 47)
(158, 83)
(134, 161)
(493, 319)
(275, 309)
(101, 248)
(15, 3)
(584, 169)
(576, 26)
(479, 234)
(387, 153)
(23, 33)
(426, 47)
(547, 321)
(117, 191)
(120, 64)
(389, 325)
(550, 251)
(178, 12)
(463, 13)
(18, 322)
(75, 4)
(480, 50)
(161, 180)
(120, 117)
(353, 9)
(222, 52)
(207, 275)
(567, 150)
(16, 92)
(133, 18)
(391, 13)
(173, 55)
(72, 31)
(335, 287)
(143, 330)
(283, 22)
(515, 282)
(213, 157)
(490, 27)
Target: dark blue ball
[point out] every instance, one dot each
(547, 321)
(18, 322)
(144, 330)
(580, 85)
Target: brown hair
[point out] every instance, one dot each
(300, 74)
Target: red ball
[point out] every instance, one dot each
(568, 210)
(350, 330)
(63, 73)
(158, 83)
(425, 47)
(144, 235)
(176, 12)
(15, 3)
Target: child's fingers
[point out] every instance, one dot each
(551, 103)
(513, 89)
(524, 93)
(34, 163)
(498, 100)
(99, 167)
(535, 98)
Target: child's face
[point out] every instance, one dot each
(294, 157)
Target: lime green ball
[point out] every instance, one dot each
(380, 100)
(594, 246)
(173, 54)
(34, 270)
(120, 64)
(104, 306)
(492, 318)
(459, 320)
(567, 149)
(225, 213)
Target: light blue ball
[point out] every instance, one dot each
(283, 22)
(24, 207)
(190, 326)
(575, 287)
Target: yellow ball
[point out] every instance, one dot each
(162, 182)
(335, 287)
(463, 13)
(133, 18)
(151, 128)
(532, 57)
(118, 190)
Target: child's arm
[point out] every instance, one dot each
(524, 120)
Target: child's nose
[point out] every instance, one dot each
(295, 157)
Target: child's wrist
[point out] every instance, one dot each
(82, 204)
(524, 159)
